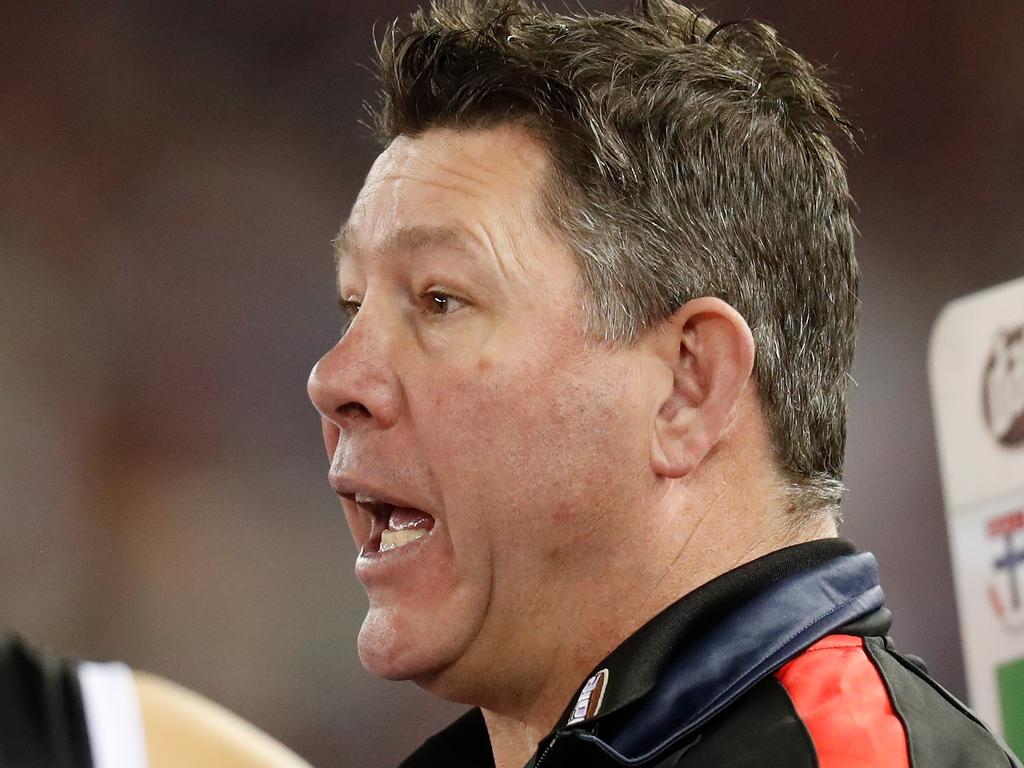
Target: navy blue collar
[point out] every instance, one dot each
(711, 663)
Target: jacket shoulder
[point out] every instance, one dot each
(846, 702)
(845, 706)
(941, 731)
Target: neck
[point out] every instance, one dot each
(513, 742)
(689, 550)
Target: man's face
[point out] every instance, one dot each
(464, 389)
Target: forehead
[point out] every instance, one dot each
(461, 189)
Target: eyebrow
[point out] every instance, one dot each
(411, 238)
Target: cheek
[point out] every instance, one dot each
(533, 451)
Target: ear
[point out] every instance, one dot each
(710, 350)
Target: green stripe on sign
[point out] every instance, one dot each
(1011, 699)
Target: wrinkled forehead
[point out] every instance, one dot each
(408, 238)
(449, 188)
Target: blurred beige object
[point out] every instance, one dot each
(184, 728)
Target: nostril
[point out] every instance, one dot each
(353, 409)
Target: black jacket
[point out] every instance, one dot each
(42, 719)
(743, 672)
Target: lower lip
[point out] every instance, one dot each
(377, 567)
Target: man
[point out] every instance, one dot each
(57, 712)
(587, 413)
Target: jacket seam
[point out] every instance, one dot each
(869, 650)
(802, 726)
(827, 648)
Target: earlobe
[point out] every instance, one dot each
(677, 440)
(710, 350)
(675, 456)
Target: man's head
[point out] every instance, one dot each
(689, 159)
(601, 273)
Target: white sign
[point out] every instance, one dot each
(977, 377)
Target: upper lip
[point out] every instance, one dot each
(348, 487)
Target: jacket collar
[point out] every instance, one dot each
(715, 664)
(640, 664)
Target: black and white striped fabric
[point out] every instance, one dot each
(61, 713)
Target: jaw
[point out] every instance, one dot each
(427, 606)
(405, 641)
(386, 646)
(446, 636)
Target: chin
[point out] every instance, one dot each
(392, 648)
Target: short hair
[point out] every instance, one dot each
(688, 159)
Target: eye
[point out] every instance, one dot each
(348, 307)
(439, 303)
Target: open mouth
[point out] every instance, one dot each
(393, 527)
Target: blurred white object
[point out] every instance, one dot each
(112, 715)
(977, 378)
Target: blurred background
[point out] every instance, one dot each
(171, 175)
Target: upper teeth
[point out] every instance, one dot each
(362, 498)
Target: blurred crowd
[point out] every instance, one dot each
(171, 175)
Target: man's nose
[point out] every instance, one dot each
(353, 385)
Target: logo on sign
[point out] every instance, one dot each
(1006, 584)
(1003, 388)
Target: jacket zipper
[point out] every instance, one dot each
(546, 750)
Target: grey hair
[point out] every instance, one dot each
(689, 159)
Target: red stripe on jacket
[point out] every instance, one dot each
(842, 701)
